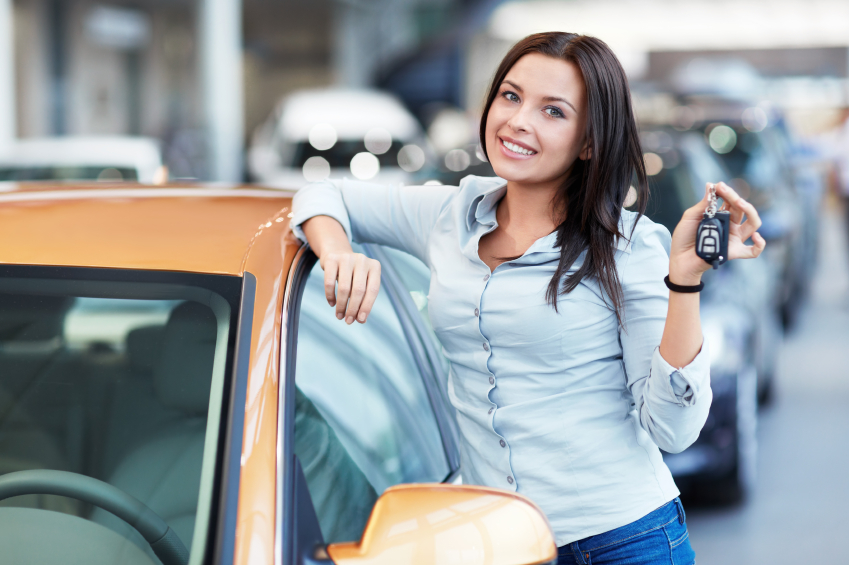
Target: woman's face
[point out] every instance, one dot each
(536, 125)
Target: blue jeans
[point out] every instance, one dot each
(658, 538)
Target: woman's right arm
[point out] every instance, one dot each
(331, 214)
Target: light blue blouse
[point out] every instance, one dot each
(568, 407)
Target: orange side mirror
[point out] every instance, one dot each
(432, 524)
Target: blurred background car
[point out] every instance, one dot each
(316, 134)
(70, 158)
(741, 326)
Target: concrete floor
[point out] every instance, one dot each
(799, 512)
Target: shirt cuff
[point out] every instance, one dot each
(318, 199)
(684, 384)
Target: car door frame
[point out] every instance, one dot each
(296, 530)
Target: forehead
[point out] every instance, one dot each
(547, 76)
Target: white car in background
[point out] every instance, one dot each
(74, 158)
(316, 134)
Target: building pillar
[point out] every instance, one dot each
(222, 82)
(8, 128)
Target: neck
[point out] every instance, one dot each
(528, 209)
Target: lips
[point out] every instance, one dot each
(518, 149)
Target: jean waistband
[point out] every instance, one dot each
(672, 510)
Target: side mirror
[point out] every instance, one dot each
(431, 524)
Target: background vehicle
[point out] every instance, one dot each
(314, 134)
(113, 158)
(739, 321)
(189, 367)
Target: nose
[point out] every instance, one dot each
(520, 120)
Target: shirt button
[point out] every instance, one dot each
(477, 312)
(509, 479)
(503, 444)
(491, 409)
(486, 346)
(492, 380)
(485, 278)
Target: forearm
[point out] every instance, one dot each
(682, 334)
(326, 235)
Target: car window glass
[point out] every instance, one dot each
(415, 276)
(363, 419)
(117, 389)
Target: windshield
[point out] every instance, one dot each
(340, 155)
(119, 381)
(101, 173)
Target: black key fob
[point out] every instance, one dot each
(712, 238)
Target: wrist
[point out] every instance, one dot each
(684, 277)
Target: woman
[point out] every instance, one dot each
(571, 360)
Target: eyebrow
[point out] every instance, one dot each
(547, 98)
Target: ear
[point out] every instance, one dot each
(586, 151)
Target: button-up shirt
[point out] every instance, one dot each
(567, 407)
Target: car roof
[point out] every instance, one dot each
(200, 229)
(351, 112)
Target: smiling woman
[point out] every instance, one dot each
(572, 364)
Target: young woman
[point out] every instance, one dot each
(571, 360)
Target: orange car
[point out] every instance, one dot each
(175, 389)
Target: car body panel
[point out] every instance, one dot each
(204, 230)
(269, 260)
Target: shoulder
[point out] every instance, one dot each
(642, 235)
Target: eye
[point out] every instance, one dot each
(511, 96)
(553, 111)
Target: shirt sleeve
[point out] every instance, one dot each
(672, 402)
(397, 216)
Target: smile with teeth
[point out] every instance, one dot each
(517, 149)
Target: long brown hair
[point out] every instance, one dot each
(595, 190)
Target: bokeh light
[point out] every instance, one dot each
(722, 138)
(411, 158)
(654, 163)
(378, 140)
(322, 136)
(316, 169)
(755, 119)
(630, 198)
(365, 166)
(457, 160)
(683, 118)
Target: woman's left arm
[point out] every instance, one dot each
(682, 333)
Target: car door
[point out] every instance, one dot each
(363, 406)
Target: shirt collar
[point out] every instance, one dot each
(488, 191)
(484, 201)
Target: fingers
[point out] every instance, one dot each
(344, 282)
(752, 251)
(331, 271)
(372, 290)
(351, 284)
(358, 289)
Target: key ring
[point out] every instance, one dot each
(711, 207)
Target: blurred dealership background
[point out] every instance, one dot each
(281, 92)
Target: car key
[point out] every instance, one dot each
(712, 233)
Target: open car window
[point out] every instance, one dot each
(363, 418)
(118, 381)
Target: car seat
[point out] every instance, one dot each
(163, 470)
(38, 418)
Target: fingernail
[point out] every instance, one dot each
(361, 317)
(350, 320)
(339, 316)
